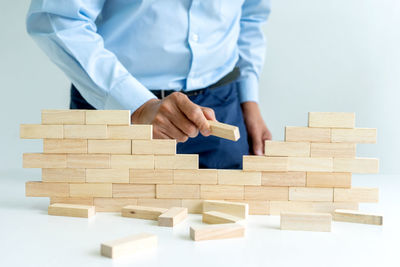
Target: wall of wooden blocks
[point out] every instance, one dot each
(94, 157)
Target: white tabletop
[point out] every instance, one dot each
(29, 237)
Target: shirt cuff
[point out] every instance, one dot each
(129, 94)
(248, 88)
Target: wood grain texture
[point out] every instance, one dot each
(154, 147)
(142, 212)
(132, 162)
(220, 231)
(283, 178)
(107, 175)
(41, 189)
(262, 163)
(266, 193)
(216, 217)
(222, 192)
(38, 131)
(64, 175)
(85, 131)
(317, 222)
(178, 191)
(88, 201)
(306, 134)
(356, 194)
(238, 177)
(109, 146)
(128, 245)
(329, 179)
(310, 194)
(71, 210)
(276, 207)
(283, 149)
(193, 205)
(65, 146)
(151, 176)
(160, 203)
(331, 119)
(39, 160)
(237, 209)
(109, 117)
(310, 164)
(357, 217)
(356, 165)
(333, 150)
(90, 190)
(177, 162)
(223, 130)
(357, 135)
(88, 161)
(200, 176)
(63, 116)
(130, 132)
(134, 190)
(172, 217)
(256, 207)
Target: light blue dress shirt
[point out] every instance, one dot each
(115, 51)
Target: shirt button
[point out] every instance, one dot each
(195, 37)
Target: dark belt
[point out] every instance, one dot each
(230, 77)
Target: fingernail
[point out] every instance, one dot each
(258, 152)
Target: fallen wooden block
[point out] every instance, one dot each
(172, 217)
(318, 222)
(141, 212)
(331, 119)
(128, 245)
(38, 131)
(63, 116)
(224, 130)
(109, 117)
(216, 217)
(256, 207)
(283, 149)
(357, 217)
(193, 205)
(71, 210)
(220, 231)
(278, 207)
(109, 204)
(240, 210)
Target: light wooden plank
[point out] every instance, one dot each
(132, 162)
(331, 119)
(266, 193)
(109, 117)
(333, 150)
(160, 203)
(220, 231)
(357, 165)
(90, 190)
(154, 147)
(200, 176)
(134, 190)
(172, 217)
(317, 222)
(88, 201)
(283, 178)
(224, 130)
(357, 217)
(177, 162)
(41, 189)
(256, 207)
(71, 210)
(216, 217)
(131, 132)
(107, 175)
(142, 212)
(64, 175)
(151, 176)
(107, 204)
(262, 163)
(357, 135)
(178, 191)
(356, 194)
(222, 192)
(329, 179)
(63, 116)
(65, 146)
(310, 194)
(85, 131)
(38, 131)
(237, 209)
(109, 146)
(86, 161)
(310, 164)
(283, 149)
(129, 245)
(238, 177)
(276, 207)
(193, 205)
(48, 161)
(306, 134)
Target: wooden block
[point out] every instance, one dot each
(317, 222)
(134, 190)
(142, 212)
(107, 175)
(63, 116)
(86, 161)
(85, 131)
(216, 217)
(220, 231)
(283, 149)
(65, 146)
(357, 135)
(256, 207)
(178, 191)
(39, 160)
(331, 119)
(38, 131)
(333, 150)
(283, 178)
(306, 134)
(310, 194)
(356, 194)
(151, 176)
(276, 207)
(238, 177)
(200, 176)
(172, 217)
(266, 193)
(224, 130)
(159, 203)
(64, 175)
(154, 147)
(88, 201)
(222, 192)
(177, 162)
(40, 189)
(71, 210)
(136, 132)
(357, 165)
(310, 164)
(129, 245)
(357, 217)
(329, 179)
(107, 204)
(90, 190)
(109, 117)
(109, 146)
(239, 210)
(193, 205)
(132, 162)
(262, 163)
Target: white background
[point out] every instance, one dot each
(331, 55)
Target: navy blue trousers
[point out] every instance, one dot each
(214, 152)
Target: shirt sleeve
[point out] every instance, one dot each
(67, 33)
(251, 44)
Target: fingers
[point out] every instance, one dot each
(163, 127)
(185, 125)
(258, 145)
(208, 113)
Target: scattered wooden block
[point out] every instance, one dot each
(221, 191)
(65, 146)
(283, 178)
(317, 222)
(129, 245)
(306, 134)
(356, 194)
(331, 119)
(238, 177)
(141, 212)
(109, 146)
(310, 164)
(107, 175)
(200, 176)
(329, 179)
(88, 161)
(216, 217)
(71, 210)
(266, 193)
(172, 217)
(131, 132)
(357, 135)
(151, 176)
(87, 201)
(109, 117)
(256, 207)
(178, 191)
(239, 210)
(283, 149)
(38, 131)
(132, 162)
(90, 190)
(40, 189)
(85, 131)
(106, 204)
(48, 161)
(223, 130)
(64, 175)
(310, 194)
(357, 217)
(134, 190)
(333, 150)
(277, 207)
(262, 163)
(63, 116)
(220, 231)
(357, 165)
(160, 203)
(154, 147)
(177, 162)
(193, 205)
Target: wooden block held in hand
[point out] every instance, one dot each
(134, 190)
(357, 135)
(329, 179)
(154, 147)
(310, 194)
(172, 217)
(131, 132)
(266, 193)
(283, 178)
(178, 191)
(224, 130)
(357, 217)
(63, 116)
(306, 134)
(71, 210)
(220, 231)
(65, 146)
(107, 175)
(317, 222)
(64, 175)
(283, 149)
(310, 164)
(109, 117)
(109, 146)
(221, 192)
(85, 131)
(141, 212)
(333, 150)
(331, 119)
(90, 190)
(216, 217)
(88, 161)
(240, 210)
(356, 165)
(39, 160)
(129, 245)
(108, 204)
(41, 189)
(38, 131)
(238, 177)
(262, 163)
(356, 194)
